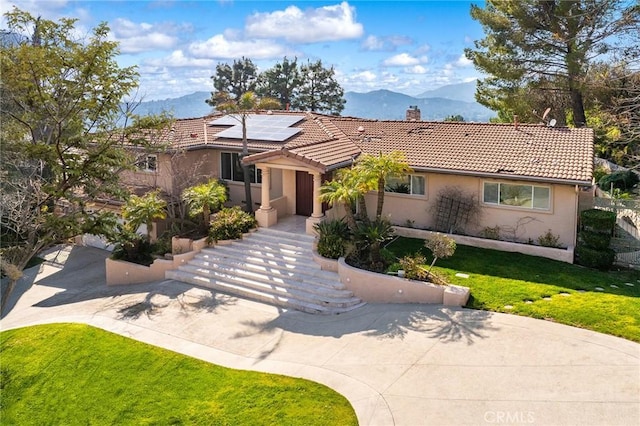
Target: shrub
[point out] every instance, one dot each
(549, 240)
(367, 240)
(595, 240)
(441, 247)
(413, 266)
(598, 220)
(490, 233)
(132, 247)
(333, 236)
(593, 258)
(230, 224)
(623, 179)
(599, 172)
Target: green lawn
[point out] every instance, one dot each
(75, 374)
(542, 288)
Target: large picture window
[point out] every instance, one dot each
(524, 196)
(231, 169)
(409, 184)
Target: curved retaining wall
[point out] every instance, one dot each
(379, 288)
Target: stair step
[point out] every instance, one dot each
(299, 293)
(283, 300)
(281, 265)
(272, 247)
(329, 282)
(314, 287)
(286, 235)
(273, 267)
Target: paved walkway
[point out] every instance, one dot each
(397, 364)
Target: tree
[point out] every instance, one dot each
(240, 110)
(144, 210)
(232, 81)
(339, 191)
(441, 247)
(281, 82)
(62, 145)
(546, 46)
(204, 198)
(319, 92)
(455, 118)
(379, 168)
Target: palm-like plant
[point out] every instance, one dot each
(204, 198)
(240, 109)
(144, 210)
(380, 168)
(369, 237)
(340, 192)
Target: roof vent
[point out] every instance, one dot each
(361, 129)
(194, 135)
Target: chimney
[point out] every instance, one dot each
(413, 113)
(515, 121)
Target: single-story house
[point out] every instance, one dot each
(521, 179)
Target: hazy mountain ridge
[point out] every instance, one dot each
(434, 105)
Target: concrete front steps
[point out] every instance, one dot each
(273, 267)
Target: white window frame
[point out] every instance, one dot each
(232, 178)
(145, 165)
(499, 199)
(411, 178)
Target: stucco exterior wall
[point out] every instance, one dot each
(177, 171)
(523, 224)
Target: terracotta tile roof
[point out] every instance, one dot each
(529, 151)
(534, 151)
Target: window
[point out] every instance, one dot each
(231, 168)
(148, 163)
(524, 196)
(409, 184)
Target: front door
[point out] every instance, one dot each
(304, 193)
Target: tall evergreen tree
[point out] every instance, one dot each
(320, 91)
(546, 46)
(281, 82)
(232, 81)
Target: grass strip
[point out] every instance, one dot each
(607, 302)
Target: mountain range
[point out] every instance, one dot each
(434, 105)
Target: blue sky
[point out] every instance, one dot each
(405, 46)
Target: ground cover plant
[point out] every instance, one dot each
(76, 374)
(608, 302)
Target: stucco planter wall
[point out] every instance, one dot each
(120, 272)
(379, 288)
(563, 255)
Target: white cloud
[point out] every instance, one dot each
(365, 76)
(463, 61)
(141, 37)
(327, 23)
(177, 59)
(220, 47)
(417, 69)
(372, 43)
(388, 43)
(403, 60)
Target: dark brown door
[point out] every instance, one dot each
(304, 193)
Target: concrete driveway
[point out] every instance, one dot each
(397, 364)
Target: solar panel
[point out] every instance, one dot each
(259, 126)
